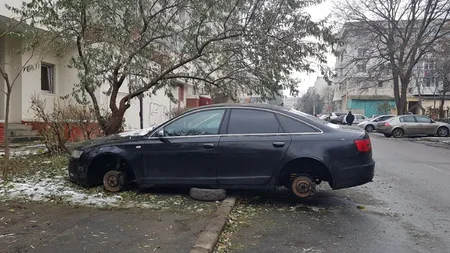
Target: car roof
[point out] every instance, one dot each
(252, 105)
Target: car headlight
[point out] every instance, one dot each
(76, 154)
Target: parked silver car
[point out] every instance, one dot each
(413, 125)
(370, 125)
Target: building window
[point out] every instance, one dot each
(361, 67)
(430, 81)
(47, 77)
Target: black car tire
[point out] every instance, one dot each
(442, 131)
(208, 194)
(114, 181)
(398, 133)
(369, 128)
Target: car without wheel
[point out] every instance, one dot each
(230, 146)
(413, 125)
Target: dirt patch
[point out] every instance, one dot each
(47, 227)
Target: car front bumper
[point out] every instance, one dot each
(77, 172)
(353, 176)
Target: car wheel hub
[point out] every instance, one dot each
(113, 181)
(303, 186)
(443, 132)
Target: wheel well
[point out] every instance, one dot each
(104, 163)
(309, 166)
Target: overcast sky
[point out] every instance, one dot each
(317, 12)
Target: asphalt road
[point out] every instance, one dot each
(405, 209)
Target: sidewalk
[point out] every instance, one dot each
(46, 227)
(442, 142)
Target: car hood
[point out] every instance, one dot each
(114, 139)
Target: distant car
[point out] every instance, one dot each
(334, 116)
(324, 117)
(230, 146)
(370, 125)
(412, 125)
(341, 119)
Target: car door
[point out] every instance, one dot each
(187, 151)
(252, 147)
(425, 125)
(409, 125)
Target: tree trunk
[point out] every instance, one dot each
(114, 123)
(6, 141)
(402, 107)
(397, 96)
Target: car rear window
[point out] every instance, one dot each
(248, 121)
(291, 125)
(310, 117)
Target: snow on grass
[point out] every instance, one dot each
(58, 189)
(53, 186)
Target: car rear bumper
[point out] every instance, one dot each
(77, 172)
(353, 176)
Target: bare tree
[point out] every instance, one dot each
(442, 72)
(397, 34)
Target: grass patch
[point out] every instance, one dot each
(45, 164)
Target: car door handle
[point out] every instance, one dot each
(208, 145)
(278, 144)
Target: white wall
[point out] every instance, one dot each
(12, 66)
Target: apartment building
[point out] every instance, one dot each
(363, 84)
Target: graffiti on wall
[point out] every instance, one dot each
(157, 113)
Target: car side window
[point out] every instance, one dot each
(407, 119)
(423, 119)
(248, 121)
(291, 125)
(197, 123)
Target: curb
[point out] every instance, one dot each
(207, 239)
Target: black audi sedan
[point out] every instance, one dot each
(230, 146)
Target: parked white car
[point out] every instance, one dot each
(358, 119)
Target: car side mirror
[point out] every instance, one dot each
(160, 133)
(432, 121)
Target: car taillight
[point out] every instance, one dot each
(386, 124)
(363, 146)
